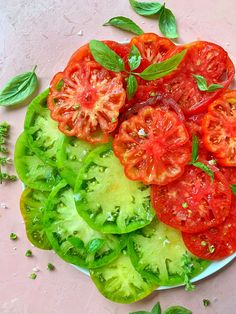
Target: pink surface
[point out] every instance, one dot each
(46, 33)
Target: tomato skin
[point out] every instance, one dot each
(215, 243)
(219, 129)
(202, 58)
(153, 146)
(193, 203)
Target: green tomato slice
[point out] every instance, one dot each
(32, 205)
(158, 251)
(70, 156)
(120, 282)
(106, 199)
(31, 169)
(71, 237)
(43, 134)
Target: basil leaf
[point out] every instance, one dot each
(167, 23)
(125, 24)
(19, 89)
(94, 245)
(194, 148)
(158, 70)
(140, 312)
(145, 8)
(134, 58)
(202, 84)
(156, 309)
(105, 56)
(59, 85)
(132, 86)
(76, 242)
(177, 310)
(233, 188)
(214, 87)
(204, 168)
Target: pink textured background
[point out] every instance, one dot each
(46, 33)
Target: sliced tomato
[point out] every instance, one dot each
(219, 129)
(202, 58)
(152, 48)
(153, 146)
(229, 173)
(193, 203)
(215, 243)
(87, 104)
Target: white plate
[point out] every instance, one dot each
(210, 270)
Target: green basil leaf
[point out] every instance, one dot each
(195, 148)
(214, 87)
(94, 245)
(201, 82)
(105, 56)
(177, 310)
(132, 86)
(204, 168)
(233, 188)
(134, 58)
(19, 89)
(167, 23)
(140, 312)
(59, 85)
(125, 24)
(158, 70)
(76, 242)
(156, 309)
(145, 8)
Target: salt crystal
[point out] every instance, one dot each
(80, 33)
(36, 269)
(3, 205)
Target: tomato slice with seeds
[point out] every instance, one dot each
(193, 203)
(219, 129)
(153, 146)
(202, 58)
(215, 243)
(87, 104)
(229, 173)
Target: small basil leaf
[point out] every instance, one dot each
(125, 24)
(145, 8)
(59, 85)
(194, 148)
(156, 309)
(167, 23)
(214, 87)
(233, 188)
(76, 242)
(19, 89)
(105, 56)
(140, 312)
(158, 70)
(94, 245)
(177, 310)
(201, 82)
(132, 86)
(134, 58)
(204, 168)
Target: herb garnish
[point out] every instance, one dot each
(33, 276)
(233, 188)
(50, 266)
(19, 89)
(13, 236)
(202, 84)
(170, 310)
(125, 24)
(187, 266)
(28, 253)
(206, 302)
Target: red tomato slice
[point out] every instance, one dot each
(153, 146)
(219, 129)
(215, 243)
(229, 173)
(202, 58)
(87, 104)
(193, 203)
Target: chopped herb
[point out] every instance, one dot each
(187, 266)
(28, 253)
(203, 243)
(211, 249)
(33, 276)
(152, 94)
(76, 106)
(212, 162)
(206, 302)
(185, 205)
(59, 85)
(13, 236)
(113, 120)
(233, 188)
(51, 266)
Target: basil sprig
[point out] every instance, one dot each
(19, 89)
(170, 310)
(194, 159)
(167, 21)
(111, 61)
(125, 24)
(202, 84)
